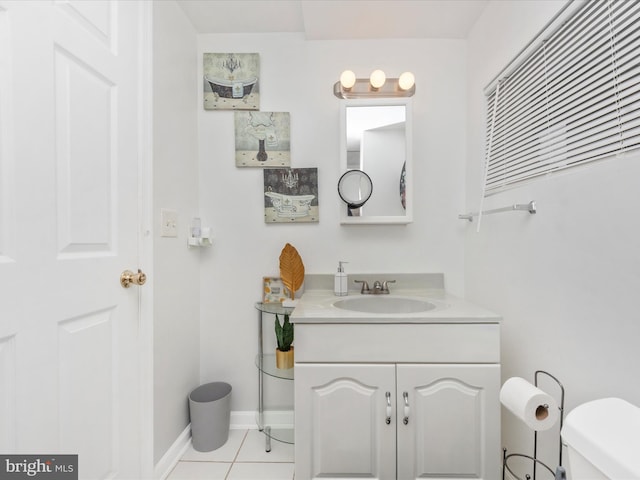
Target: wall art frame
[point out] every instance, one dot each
(262, 139)
(291, 195)
(231, 81)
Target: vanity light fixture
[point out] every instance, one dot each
(406, 81)
(347, 79)
(376, 86)
(377, 79)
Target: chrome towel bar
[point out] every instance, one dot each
(529, 207)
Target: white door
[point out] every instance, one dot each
(69, 212)
(453, 421)
(341, 421)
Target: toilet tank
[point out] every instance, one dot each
(603, 436)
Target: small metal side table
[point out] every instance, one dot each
(266, 364)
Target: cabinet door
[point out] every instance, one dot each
(341, 428)
(453, 424)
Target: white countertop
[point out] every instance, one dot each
(316, 306)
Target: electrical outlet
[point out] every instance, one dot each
(168, 223)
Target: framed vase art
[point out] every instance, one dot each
(263, 139)
(291, 195)
(231, 81)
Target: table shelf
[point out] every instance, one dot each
(283, 432)
(266, 364)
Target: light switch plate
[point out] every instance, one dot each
(168, 223)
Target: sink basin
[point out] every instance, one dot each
(384, 304)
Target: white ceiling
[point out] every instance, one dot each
(337, 19)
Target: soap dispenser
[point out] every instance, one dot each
(341, 283)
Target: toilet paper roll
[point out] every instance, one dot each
(538, 410)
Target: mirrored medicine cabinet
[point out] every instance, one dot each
(376, 138)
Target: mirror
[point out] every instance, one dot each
(355, 188)
(376, 139)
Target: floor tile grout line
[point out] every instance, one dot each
(206, 461)
(235, 461)
(244, 439)
(246, 433)
(263, 461)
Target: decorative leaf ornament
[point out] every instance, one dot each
(291, 269)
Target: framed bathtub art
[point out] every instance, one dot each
(291, 195)
(263, 139)
(231, 81)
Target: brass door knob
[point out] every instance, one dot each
(128, 277)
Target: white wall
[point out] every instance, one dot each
(565, 279)
(297, 76)
(175, 178)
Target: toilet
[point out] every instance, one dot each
(603, 440)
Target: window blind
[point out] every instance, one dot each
(575, 98)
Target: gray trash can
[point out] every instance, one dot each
(210, 412)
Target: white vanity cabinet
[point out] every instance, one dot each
(397, 401)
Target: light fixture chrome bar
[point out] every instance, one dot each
(529, 207)
(363, 89)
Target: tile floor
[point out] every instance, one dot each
(241, 458)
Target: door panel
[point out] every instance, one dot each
(86, 148)
(341, 430)
(98, 18)
(88, 364)
(453, 421)
(69, 155)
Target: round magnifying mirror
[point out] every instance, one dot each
(354, 188)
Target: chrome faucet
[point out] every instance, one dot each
(378, 287)
(385, 285)
(365, 287)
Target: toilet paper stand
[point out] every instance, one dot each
(560, 473)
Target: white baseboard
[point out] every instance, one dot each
(239, 420)
(173, 455)
(243, 420)
(246, 420)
